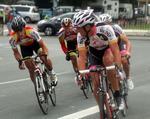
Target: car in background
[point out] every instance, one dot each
(52, 25)
(22, 2)
(45, 13)
(5, 8)
(29, 13)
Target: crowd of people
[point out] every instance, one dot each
(105, 43)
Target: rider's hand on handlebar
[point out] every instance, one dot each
(21, 66)
(128, 55)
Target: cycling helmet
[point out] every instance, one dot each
(105, 18)
(66, 22)
(83, 18)
(18, 23)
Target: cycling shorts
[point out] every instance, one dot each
(1, 20)
(72, 46)
(27, 51)
(96, 56)
(122, 47)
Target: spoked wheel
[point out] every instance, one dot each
(42, 96)
(126, 93)
(85, 88)
(105, 112)
(90, 82)
(113, 103)
(122, 90)
(52, 95)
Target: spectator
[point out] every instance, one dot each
(2, 19)
(9, 21)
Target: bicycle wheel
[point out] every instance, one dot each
(42, 96)
(52, 95)
(85, 88)
(125, 93)
(90, 82)
(122, 90)
(105, 112)
(112, 103)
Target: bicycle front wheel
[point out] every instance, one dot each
(41, 95)
(105, 112)
(85, 88)
(52, 95)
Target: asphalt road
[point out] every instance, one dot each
(18, 100)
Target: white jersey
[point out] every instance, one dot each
(102, 37)
(118, 31)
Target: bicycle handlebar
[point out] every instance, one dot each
(32, 57)
(99, 69)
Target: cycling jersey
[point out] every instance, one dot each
(68, 42)
(102, 37)
(118, 31)
(120, 34)
(31, 36)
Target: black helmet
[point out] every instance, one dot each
(18, 23)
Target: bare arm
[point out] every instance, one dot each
(116, 53)
(44, 47)
(82, 60)
(128, 45)
(17, 55)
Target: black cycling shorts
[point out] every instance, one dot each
(28, 50)
(1, 20)
(122, 46)
(71, 45)
(96, 56)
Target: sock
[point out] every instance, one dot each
(52, 72)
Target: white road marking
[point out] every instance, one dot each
(20, 80)
(81, 114)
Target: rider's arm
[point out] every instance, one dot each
(62, 40)
(82, 60)
(128, 45)
(116, 53)
(18, 56)
(16, 53)
(113, 44)
(44, 47)
(62, 43)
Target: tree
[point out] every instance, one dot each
(77, 3)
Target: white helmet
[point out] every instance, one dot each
(105, 18)
(83, 18)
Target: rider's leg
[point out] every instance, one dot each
(108, 61)
(95, 78)
(30, 65)
(126, 66)
(73, 58)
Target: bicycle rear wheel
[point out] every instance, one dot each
(42, 96)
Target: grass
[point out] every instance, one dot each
(139, 27)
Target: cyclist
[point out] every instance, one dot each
(2, 19)
(29, 40)
(68, 39)
(124, 46)
(103, 49)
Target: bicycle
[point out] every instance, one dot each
(42, 83)
(86, 81)
(123, 87)
(107, 103)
